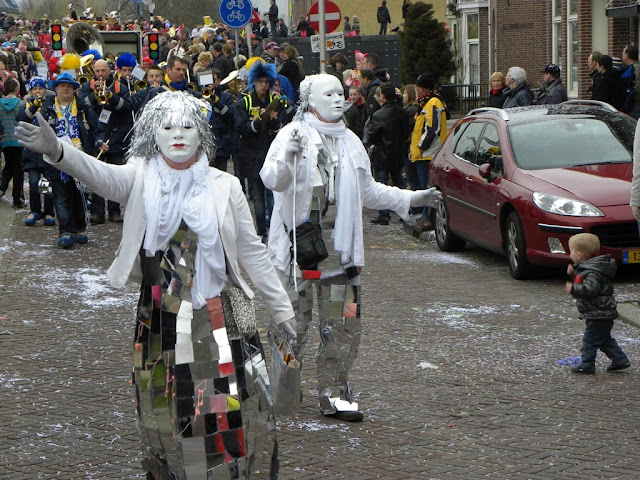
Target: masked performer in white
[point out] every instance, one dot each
(319, 167)
(199, 370)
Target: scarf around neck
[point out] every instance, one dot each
(171, 196)
(347, 189)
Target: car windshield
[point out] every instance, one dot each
(569, 141)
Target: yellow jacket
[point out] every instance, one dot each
(431, 123)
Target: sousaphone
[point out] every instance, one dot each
(82, 36)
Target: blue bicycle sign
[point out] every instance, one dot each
(235, 13)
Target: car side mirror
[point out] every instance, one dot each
(485, 171)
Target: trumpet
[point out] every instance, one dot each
(141, 85)
(103, 97)
(206, 92)
(192, 86)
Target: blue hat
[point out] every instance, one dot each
(36, 82)
(65, 78)
(126, 60)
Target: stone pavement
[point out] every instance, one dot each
(457, 372)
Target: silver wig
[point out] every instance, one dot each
(170, 108)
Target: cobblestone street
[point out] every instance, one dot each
(457, 372)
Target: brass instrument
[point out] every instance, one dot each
(140, 85)
(103, 97)
(207, 92)
(82, 36)
(192, 86)
(231, 83)
(86, 69)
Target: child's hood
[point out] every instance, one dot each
(602, 264)
(9, 103)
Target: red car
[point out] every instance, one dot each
(522, 181)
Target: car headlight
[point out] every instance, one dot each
(565, 206)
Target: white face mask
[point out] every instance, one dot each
(177, 143)
(327, 97)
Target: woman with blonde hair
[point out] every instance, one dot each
(496, 92)
(203, 63)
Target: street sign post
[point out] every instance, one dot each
(235, 13)
(332, 16)
(333, 41)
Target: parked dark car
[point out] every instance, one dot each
(521, 181)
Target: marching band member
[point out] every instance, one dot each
(112, 103)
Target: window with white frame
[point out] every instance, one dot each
(556, 32)
(572, 47)
(473, 48)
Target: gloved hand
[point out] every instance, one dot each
(39, 138)
(426, 198)
(288, 328)
(34, 104)
(636, 212)
(292, 146)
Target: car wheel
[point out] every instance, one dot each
(516, 247)
(447, 241)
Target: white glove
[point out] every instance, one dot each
(292, 147)
(288, 327)
(39, 138)
(426, 198)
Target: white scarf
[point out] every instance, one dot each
(171, 196)
(346, 201)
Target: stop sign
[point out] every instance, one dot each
(332, 16)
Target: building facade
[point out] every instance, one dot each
(493, 35)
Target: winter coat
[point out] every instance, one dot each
(115, 116)
(521, 96)
(371, 104)
(611, 89)
(290, 68)
(254, 140)
(593, 288)
(496, 100)
(92, 132)
(383, 14)
(429, 130)
(223, 124)
(388, 130)
(32, 160)
(552, 93)
(355, 117)
(9, 109)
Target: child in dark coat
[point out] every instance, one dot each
(590, 281)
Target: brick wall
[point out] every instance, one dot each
(483, 37)
(523, 37)
(585, 30)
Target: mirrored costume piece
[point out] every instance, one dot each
(332, 184)
(201, 385)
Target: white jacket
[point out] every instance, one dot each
(277, 175)
(125, 184)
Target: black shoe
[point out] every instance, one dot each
(19, 204)
(349, 416)
(346, 415)
(115, 217)
(584, 370)
(380, 221)
(96, 219)
(617, 368)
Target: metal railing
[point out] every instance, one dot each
(462, 98)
